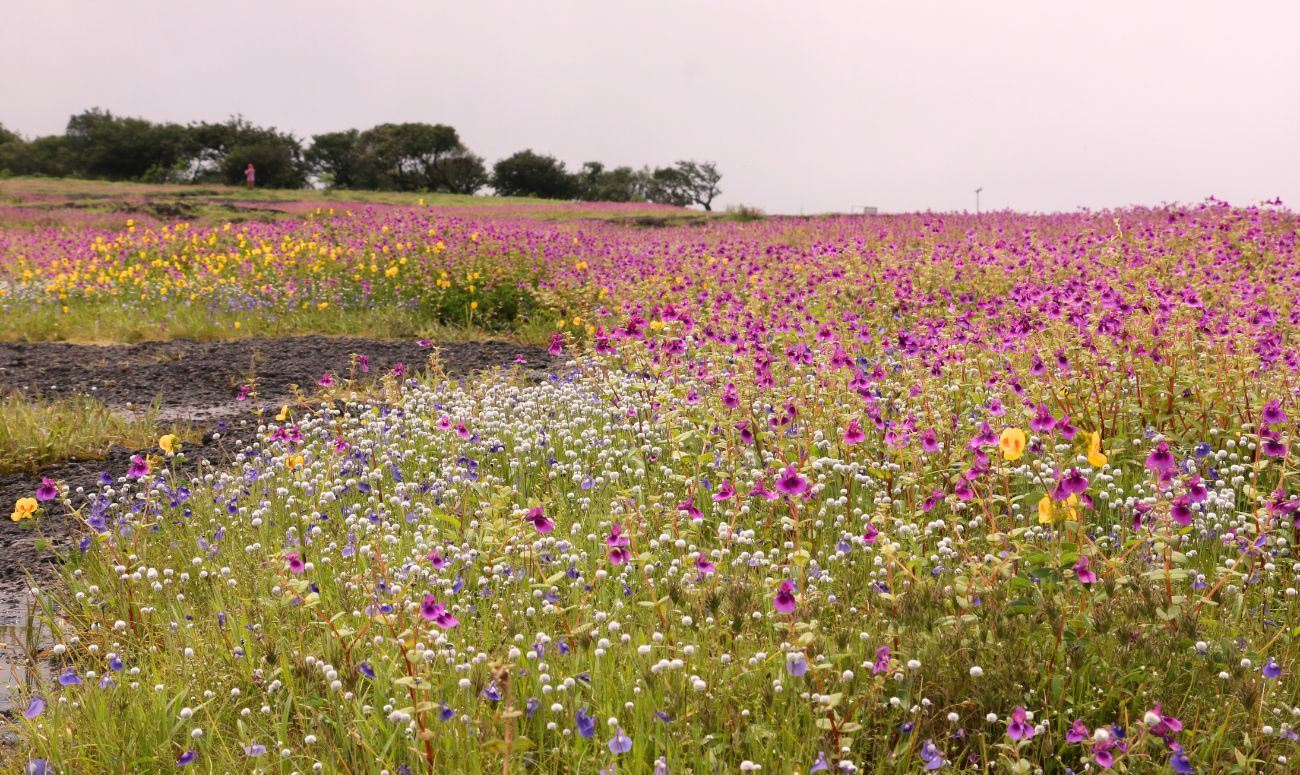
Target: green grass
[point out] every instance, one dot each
(39, 432)
(99, 323)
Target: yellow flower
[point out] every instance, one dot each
(283, 415)
(1012, 443)
(293, 461)
(1095, 457)
(170, 443)
(24, 508)
(1045, 510)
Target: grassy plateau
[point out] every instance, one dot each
(881, 494)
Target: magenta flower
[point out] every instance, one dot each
(139, 467)
(48, 490)
(691, 509)
(881, 664)
(444, 423)
(617, 543)
(296, 565)
(784, 601)
(703, 565)
(726, 491)
(929, 442)
(1074, 483)
(557, 344)
(1019, 728)
(871, 535)
(760, 491)
(461, 430)
(363, 361)
(853, 434)
(791, 482)
(1274, 414)
(1083, 572)
(325, 380)
(539, 520)
(1160, 459)
(1161, 725)
(399, 369)
(1077, 732)
(436, 612)
(437, 560)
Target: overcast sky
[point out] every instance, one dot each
(806, 106)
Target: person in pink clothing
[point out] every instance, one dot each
(250, 174)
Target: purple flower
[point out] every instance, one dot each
(586, 724)
(790, 482)
(539, 520)
(35, 708)
(69, 677)
(1161, 725)
(796, 663)
(1102, 756)
(1019, 728)
(48, 490)
(1273, 413)
(254, 750)
(821, 765)
(1272, 669)
(1160, 459)
(620, 743)
(38, 767)
(882, 660)
(1179, 761)
(436, 612)
(931, 755)
(929, 442)
(365, 669)
(1074, 483)
(446, 713)
(139, 467)
(1077, 732)
(187, 758)
(870, 535)
(784, 601)
(1083, 572)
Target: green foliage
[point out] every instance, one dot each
(410, 156)
(36, 432)
(621, 184)
(122, 148)
(686, 183)
(526, 173)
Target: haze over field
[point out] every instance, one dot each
(807, 107)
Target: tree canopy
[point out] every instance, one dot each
(409, 156)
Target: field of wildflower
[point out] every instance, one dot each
(915, 493)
